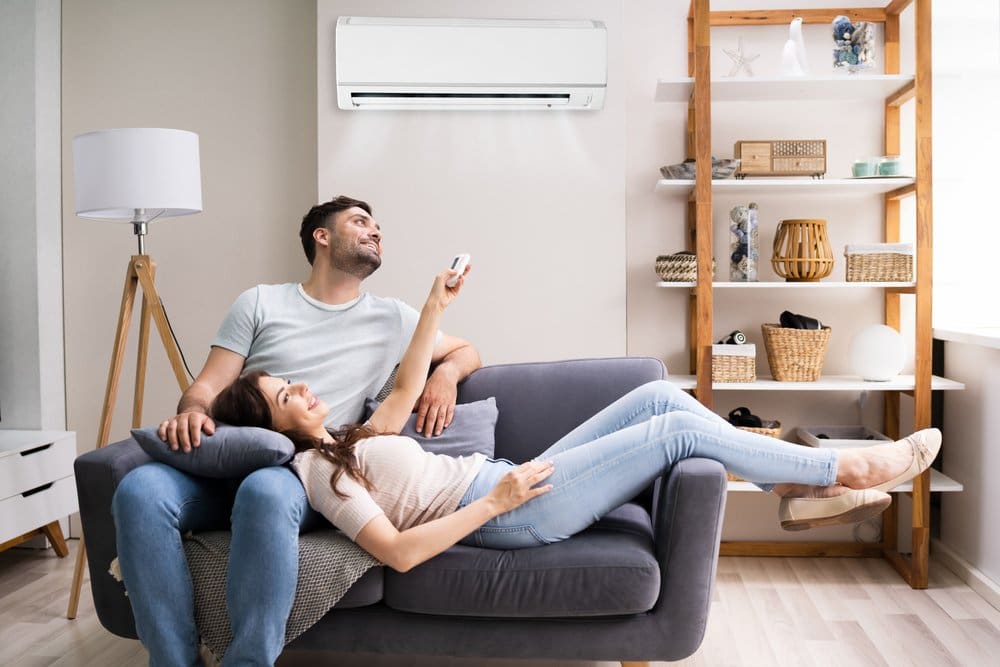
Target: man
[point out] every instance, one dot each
(326, 332)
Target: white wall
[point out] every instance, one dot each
(972, 429)
(32, 391)
(537, 198)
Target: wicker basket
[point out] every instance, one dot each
(884, 262)
(773, 432)
(681, 267)
(795, 355)
(734, 363)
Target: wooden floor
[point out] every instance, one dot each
(765, 611)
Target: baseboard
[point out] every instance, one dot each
(988, 589)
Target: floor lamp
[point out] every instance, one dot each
(135, 175)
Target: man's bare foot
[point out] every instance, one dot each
(807, 491)
(868, 467)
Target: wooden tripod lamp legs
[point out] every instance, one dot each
(141, 272)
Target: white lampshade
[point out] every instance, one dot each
(876, 353)
(120, 171)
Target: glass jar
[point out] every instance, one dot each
(744, 243)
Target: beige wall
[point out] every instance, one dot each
(242, 75)
(537, 198)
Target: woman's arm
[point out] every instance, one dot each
(391, 415)
(402, 551)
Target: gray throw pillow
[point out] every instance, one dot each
(471, 430)
(231, 452)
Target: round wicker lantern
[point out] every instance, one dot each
(802, 251)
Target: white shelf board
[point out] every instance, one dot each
(939, 482)
(843, 88)
(789, 186)
(833, 284)
(984, 336)
(825, 383)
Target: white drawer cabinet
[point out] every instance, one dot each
(37, 487)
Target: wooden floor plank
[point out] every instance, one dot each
(921, 645)
(764, 611)
(860, 646)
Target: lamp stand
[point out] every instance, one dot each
(141, 271)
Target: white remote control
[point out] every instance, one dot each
(458, 264)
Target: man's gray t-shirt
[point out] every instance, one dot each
(344, 352)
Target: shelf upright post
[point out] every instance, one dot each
(891, 130)
(703, 200)
(924, 267)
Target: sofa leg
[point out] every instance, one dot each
(626, 663)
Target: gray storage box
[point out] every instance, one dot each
(839, 436)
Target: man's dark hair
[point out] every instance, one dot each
(319, 215)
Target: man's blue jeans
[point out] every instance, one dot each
(614, 455)
(155, 504)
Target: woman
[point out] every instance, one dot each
(404, 505)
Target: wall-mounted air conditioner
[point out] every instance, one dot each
(413, 63)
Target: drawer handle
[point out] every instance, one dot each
(39, 489)
(36, 450)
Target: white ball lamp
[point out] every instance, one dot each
(876, 353)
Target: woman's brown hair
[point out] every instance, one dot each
(243, 404)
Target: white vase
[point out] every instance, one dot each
(790, 61)
(795, 35)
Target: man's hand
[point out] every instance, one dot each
(436, 406)
(184, 430)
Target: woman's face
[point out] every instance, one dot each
(293, 406)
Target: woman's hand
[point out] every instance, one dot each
(518, 486)
(441, 295)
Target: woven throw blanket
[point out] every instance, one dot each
(329, 564)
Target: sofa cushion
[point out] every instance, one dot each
(365, 591)
(231, 452)
(471, 429)
(609, 569)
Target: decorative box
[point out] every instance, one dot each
(879, 262)
(781, 157)
(734, 363)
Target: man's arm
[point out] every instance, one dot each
(455, 360)
(184, 430)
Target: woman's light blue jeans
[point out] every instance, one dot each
(155, 504)
(614, 455)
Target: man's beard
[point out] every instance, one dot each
(355, 262)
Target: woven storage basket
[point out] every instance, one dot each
(885, 262)
(795, 355)
(773, 432)
(681, 267)
(734, 363)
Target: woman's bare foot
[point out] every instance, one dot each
(868, 467)
(806, 491)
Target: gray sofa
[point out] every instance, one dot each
(634, 587)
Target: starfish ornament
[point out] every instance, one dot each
(740, 60)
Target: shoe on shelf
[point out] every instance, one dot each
(851, 507)
(925, 445)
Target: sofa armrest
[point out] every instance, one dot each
(97, 476)
(688, 508)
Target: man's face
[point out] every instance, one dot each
(355, 243)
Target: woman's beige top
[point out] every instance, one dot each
(411, 486)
